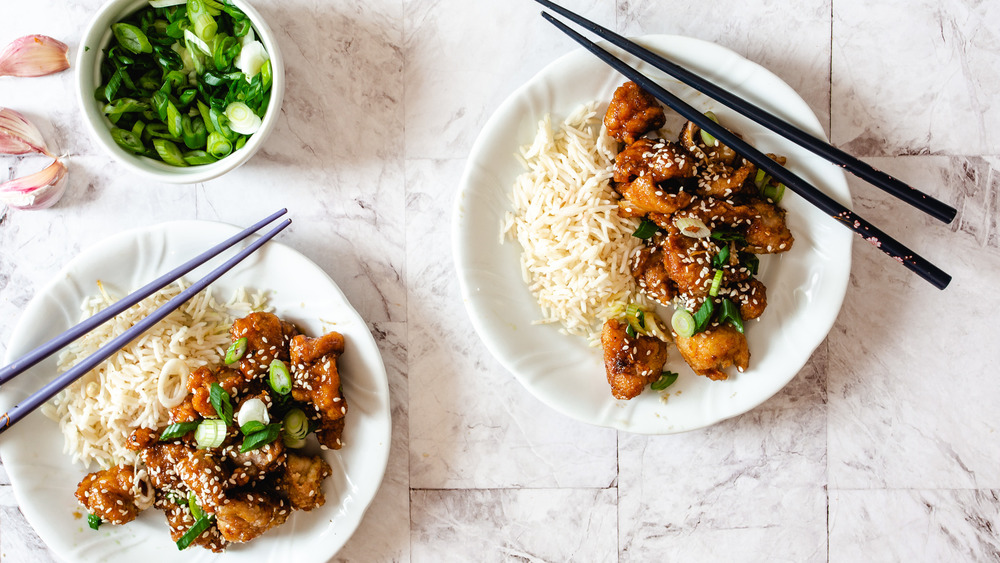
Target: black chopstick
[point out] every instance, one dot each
(23, 408)
(929, 205)
(45, 350)
(825, 203)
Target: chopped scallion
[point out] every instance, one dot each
(236, 351)
(716, 283)
(683, 323)
(706, 138)
(221, 402)
(199, 527)
(730, 313)
(295, 428)
(261, 438)
(177, 429)
(666, 379)
(645, 230)
(210, 433)
(704, 315)
(279, 377)
(94, 521)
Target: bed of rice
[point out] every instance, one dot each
(139, 384)
(576, 247)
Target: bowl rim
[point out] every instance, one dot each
(96, 37)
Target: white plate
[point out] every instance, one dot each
(805, 287)
(43, 478)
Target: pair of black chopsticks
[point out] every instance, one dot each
(35, 400)
(825, 203)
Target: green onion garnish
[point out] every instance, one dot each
(683, 323)
(127, 140)
(196, 510)
(251, 427)
(221, 402)
(261, 438)
(236, 351)
(131, 38)
(200, 525)
(750, 261)
(774, 192)
(636, 319)
(728, 236)
(704, 315)
(279, 377)
(210, 433)
(731, 313)
(706, 138)
(169, 152)
(761, 179)
(94, 521)
(666, 379)
(645, 230)
(722, 258)
(716, 283)
(294, 428)
(177, 429)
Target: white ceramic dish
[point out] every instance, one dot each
(805, 287)
(44, 480)
(95, 40)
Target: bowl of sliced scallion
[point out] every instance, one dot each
(182, 91)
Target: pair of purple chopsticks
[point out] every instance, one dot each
(825, 203)
(34, 401)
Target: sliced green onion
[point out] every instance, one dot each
(210, 433)
(131, 38)
(666, 379)
(193, 132)
(716, 283)
(750, 262)
(252, 58)
(169, 152)
(202, 21)
(127, 140)
(630, 331)
(199, 527)
(761, 179)
(279, 377)
(730, 313)
(221, 402)
(683, 323)
(722, 258)
(194, 158)
(261, 438)
(196, 41)
(645, 230)
(266, 76)
(251, 427)
(704, 315)
(294, 428)
(175, 124)
(196, 510)
(706, 138)
(178, 429)
(206, 117)
(94, 521)
(774, 192)
(242, 119)
(236, 351)
(253, 410)
(692, 227)
(219, 146)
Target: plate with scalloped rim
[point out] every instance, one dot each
(43, 478)
(805, 286)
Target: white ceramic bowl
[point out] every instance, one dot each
(88, 73)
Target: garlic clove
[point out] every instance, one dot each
(36, 191)
(18, 135)
(34, 55)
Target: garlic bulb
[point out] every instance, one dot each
(34, 55)
(36, 191)
(18, 135)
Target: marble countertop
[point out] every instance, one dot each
(883, 448)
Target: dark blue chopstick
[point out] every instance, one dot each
(48, 391)
(45, 350)
(918, 199)
(893, 248)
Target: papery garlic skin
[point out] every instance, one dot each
(36, 191)
(34, 55)
(18, 135)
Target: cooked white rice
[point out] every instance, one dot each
(139, 384)
(576, 247)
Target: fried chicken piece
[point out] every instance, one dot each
(768, 232)
(642, 197)
(315, 380)
(267, 339)
(256, 464)
(690, 139)
(750, 296)
(631, 363)
(649, 271)
(302, 481)
(633, 112)
(204, 473)
(660, 160)
(715, 349)
(180, 520)
(722, 181)
(248, 514)
(198, 404)
(108, 494)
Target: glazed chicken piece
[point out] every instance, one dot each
(180, 520)
(204, 473)
(633, 112)
(108, 494)
(315, 379)
(198, 403)
(175, 466)
(660, 160)
(642, 197)
(631, 363)
(267, 339)
(768, 232)
(248, 514)
(649, 271)
(691, 139)
(302, 482)
(750, 296)
(722, 181)
(715, 349)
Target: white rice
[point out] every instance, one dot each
(139, 384)
(576, 247)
